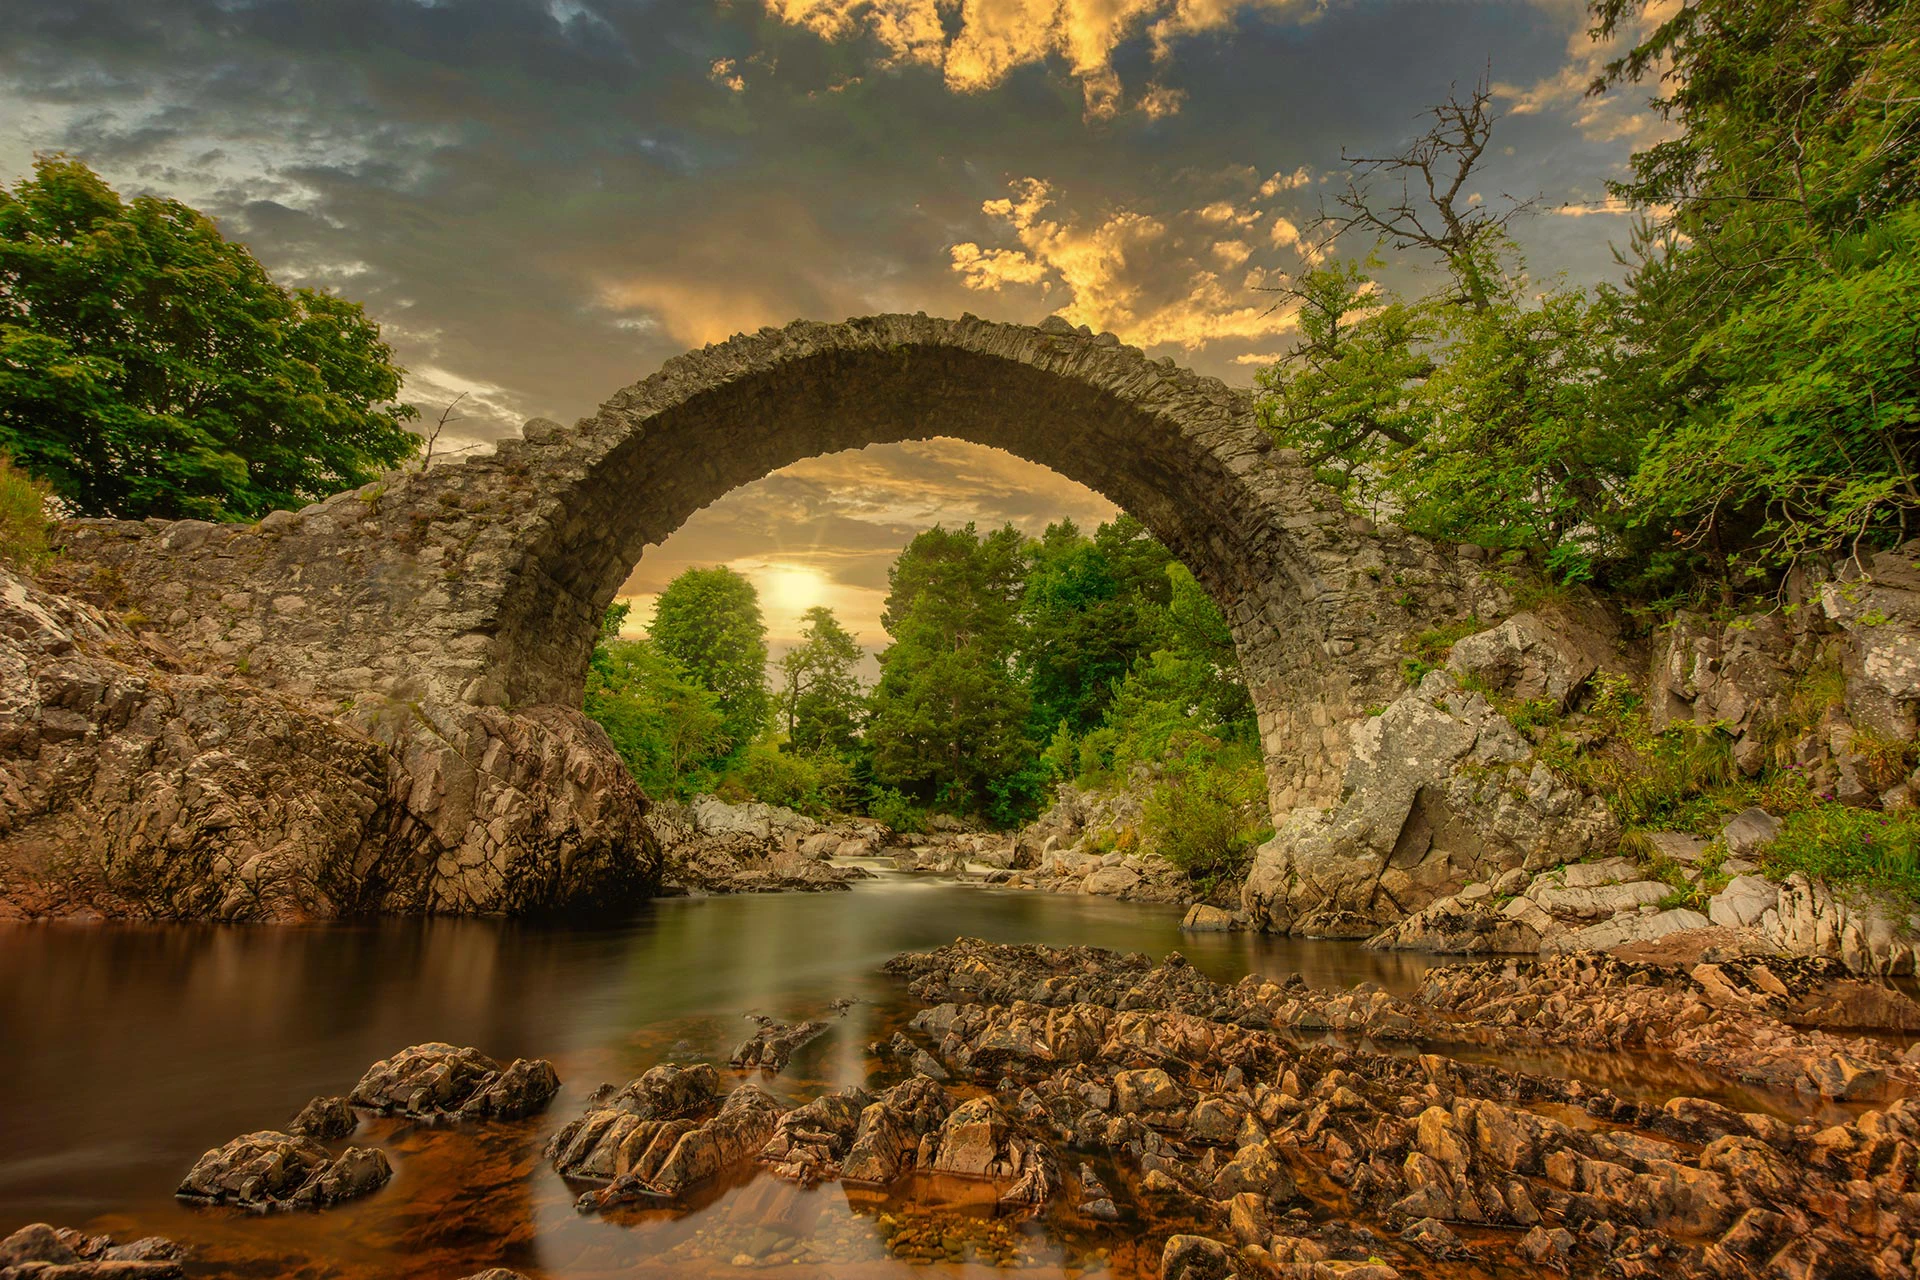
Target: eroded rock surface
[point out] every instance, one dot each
(444, 1080)
(40, 1251)
(274, 1170)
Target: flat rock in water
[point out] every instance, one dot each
(58, 1253)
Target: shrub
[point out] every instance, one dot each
(24, 527)
(1427, 650)
(814, 782)
(1207, 816)
(892, 809)
(1853, 846)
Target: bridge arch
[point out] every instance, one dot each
(480, 584)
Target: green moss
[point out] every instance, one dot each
(1427, 650)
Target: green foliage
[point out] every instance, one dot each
(1682, 778)
(949, 718)
(816, 782)
(149, 367)
(889, 807)
(1879, 851)
(1429, 650)
(24, 527)
(821, 695)
(1209, 813)
(666, 726)
(708, 621)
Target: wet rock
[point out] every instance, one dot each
(39, 1251)
(272, 1170)
(665, 1159)
(773, 1045)
(892, 1128)
(621, 1128)
(325, 1119)
(1196, 1258)
(1202, 918)
(444, 1080)
(810, 1141)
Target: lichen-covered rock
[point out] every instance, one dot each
(664, 1159)
(1810, 919)
(1415, 824)
(437, 1079)
(273, 1170)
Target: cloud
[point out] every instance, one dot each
(987, 40)
(1619, 115)
(1152, 278)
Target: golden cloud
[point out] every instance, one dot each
(1151, 277)
(1609, 117)
(992, 38)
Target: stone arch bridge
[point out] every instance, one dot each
(449, 612)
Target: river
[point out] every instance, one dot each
(126, 1051)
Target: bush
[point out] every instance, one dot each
(24, 527)
(1207, 816)
(813, 782)
(1878, 851)
(892, 809)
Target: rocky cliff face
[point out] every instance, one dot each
(132, 786)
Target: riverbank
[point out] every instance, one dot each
(1606, 1092)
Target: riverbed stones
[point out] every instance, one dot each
(274, 1170)
(40, 1251)
(439, 1080)
(773, 1045)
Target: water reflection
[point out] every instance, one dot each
(127, 1051)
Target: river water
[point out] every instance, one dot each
(125, 1052)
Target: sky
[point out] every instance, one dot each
(543, 200)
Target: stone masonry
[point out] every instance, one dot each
(436, 609)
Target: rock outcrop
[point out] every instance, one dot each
(442, 1080)
(274, 1170)
(39, 1251)
(1438, 794)
(133, 785)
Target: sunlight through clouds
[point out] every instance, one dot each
(1179, 277)
(992, 38)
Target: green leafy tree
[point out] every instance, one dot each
(1082, 626)
(149, 367)
(820, 685)
(665, 726)
(948, 722)
(1770, 306)
(708, 621)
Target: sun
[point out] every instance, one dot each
(793, 588)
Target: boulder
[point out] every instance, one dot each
(437, 1079)
(1534, 656)
(1743, 903)
(42, 1252)
(1862, 933)
(1433, 799)
(1474, 927)
(1196, 1258)
(1111, 882)
(1748, 832)
(1202, 918)
(325, 1119)
(272, 1170)
(1598, 902)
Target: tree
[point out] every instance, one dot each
(708, 621)
(1082, 621)
(149, 367)
(948, 716)
(1770, 302)
(665, 726)
(1475, 413)
(820, 694)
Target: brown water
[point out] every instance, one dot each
(125, 1052)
